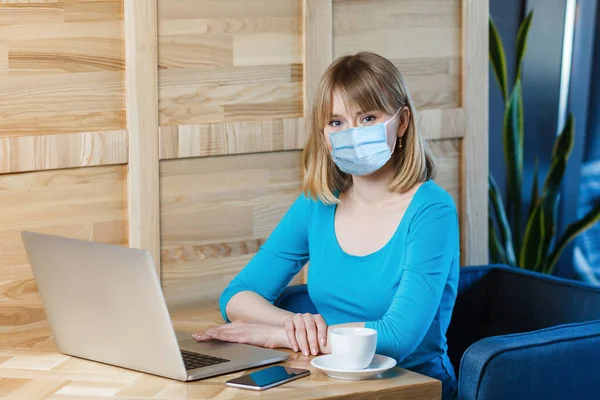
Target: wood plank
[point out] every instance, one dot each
(142, 122)
(182, 9)
(447, 154)
(267, 48)
(82, 203)
(425, 42)
(434, 91)
(45, 152)
(3, 59)
(93, 10)
(193, 104)
(359, 16)
(48, 56)
(40, 30)
(287, 24)
(442, 123)
(215, 213)
(232, 138)
(61, 103)
(282, 109)
(189, 51)
(318, 46)
(188, 26)
(31, 11)
(200, 76)
(475, 144)
(419, 67)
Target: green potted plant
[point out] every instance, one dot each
(527, 240)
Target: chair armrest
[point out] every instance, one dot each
(561, 362)
(296, 299)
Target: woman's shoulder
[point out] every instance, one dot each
(432, 194)
(306, 204)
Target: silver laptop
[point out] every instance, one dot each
(104, 303)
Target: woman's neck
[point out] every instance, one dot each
(372, 189)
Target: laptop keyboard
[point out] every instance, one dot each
(197, 360)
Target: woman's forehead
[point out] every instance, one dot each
(341, 106)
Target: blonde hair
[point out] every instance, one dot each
(370, 82)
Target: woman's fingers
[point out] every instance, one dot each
(301, 334)
(322, 329)
(290, 331)
(216, 331)
(201, 336)
(311, 333)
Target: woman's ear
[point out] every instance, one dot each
(403, 120)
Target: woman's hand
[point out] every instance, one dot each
(306, 332)
(269, 336)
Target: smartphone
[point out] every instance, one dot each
(268, 378)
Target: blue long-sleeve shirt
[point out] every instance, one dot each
(405, 291)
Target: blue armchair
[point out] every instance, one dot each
(515, 334)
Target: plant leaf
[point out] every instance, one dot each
(513, 156)
(522, 42)
(550, 207)
(498, 59)
(497, 253)
(534, 188)
(552, 184)
(565, 141)
(498, 211)
(572, 231)
(531, 256)
(549, 202)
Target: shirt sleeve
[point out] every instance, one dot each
(432, 245)
(280, 258)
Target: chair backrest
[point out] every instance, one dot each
(496, 300)
(526, 301)
(471, 314)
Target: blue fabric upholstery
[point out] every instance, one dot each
(515, 334)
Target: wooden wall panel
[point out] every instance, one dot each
(223, 78)
(421, 37)
(32, 11)
(3, 59)
(68, 150)
(93, 10)
(64, 66)
(215, 213)
(86, 203)
(223, 61)
(232, 138)
(318, 46)
(475, 145)
(447, 154)
(142, 123)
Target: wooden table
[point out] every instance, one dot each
(32, 368)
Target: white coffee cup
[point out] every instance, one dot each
(352, 348)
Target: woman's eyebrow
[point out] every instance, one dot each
(338, 116)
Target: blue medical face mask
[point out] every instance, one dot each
(361, 150)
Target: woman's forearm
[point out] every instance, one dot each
(248, 306)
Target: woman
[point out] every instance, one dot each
(382, 238)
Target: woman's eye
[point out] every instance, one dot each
(335, 123)
(369, 118)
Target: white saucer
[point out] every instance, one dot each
(379, 365)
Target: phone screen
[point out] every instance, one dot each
(269, 376)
